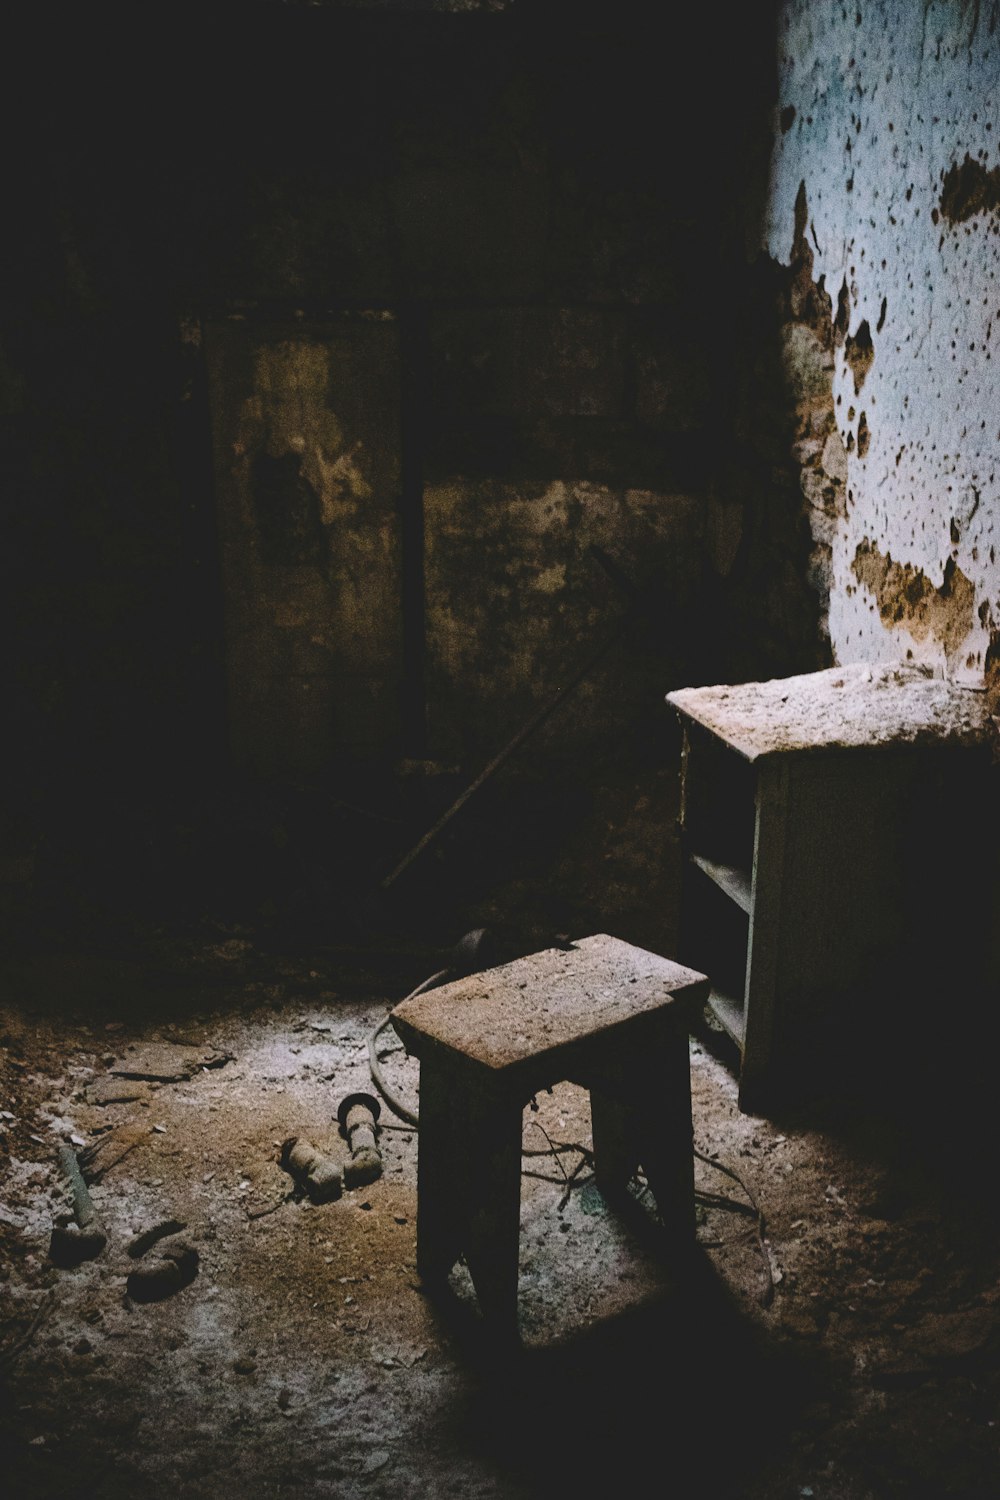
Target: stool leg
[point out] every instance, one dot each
(640, 1105)
(444, 1167)
(663, 1079)
(492, 1238)
(616, 1146)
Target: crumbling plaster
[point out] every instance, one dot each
(884, 164)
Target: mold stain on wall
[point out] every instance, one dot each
(885, 160)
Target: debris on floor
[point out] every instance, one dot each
(150, 1237)
(79, 1235)
(320, 1176)
(167, 1062)
(115, 1091)
(221, 1317)
(106, 1152)
(174, 1266)
(358, 1116)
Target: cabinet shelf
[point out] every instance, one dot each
(803, 806)
(729, 1013)
(731, 879)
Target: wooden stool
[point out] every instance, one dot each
(600, 1013)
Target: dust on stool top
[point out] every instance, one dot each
(523, 1010)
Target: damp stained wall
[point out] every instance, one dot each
(475, 317)
(306, 439)
(885, 190)
(488, 248)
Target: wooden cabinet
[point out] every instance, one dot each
(827, 824)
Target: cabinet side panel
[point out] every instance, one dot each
(767, 931)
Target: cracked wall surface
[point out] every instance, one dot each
(884, 182)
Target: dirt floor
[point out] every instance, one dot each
(841, 1343)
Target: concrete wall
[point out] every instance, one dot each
(522, 251)
(330, 348)
(884, 206)
(306, 430)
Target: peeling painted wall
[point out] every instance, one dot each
(885, 197)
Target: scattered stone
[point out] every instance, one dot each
(245, 1366)
(82, 1346)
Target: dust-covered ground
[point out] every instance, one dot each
(836, 1334)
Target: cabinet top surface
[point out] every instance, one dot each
(870, 705)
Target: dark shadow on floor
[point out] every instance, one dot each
(915, 1110)
(683, 1385)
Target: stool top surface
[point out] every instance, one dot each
(507, 1015)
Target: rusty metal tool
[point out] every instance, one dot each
(358, 1116)
(537, 719)
(321, 1176)
(81, 1237)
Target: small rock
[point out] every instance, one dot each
(245, 1366)
(82, 1346)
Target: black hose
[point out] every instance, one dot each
(396, 1105)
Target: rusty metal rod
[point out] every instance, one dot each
(536, 720)
(84, 1238)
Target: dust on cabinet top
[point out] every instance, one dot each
(871, 705)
